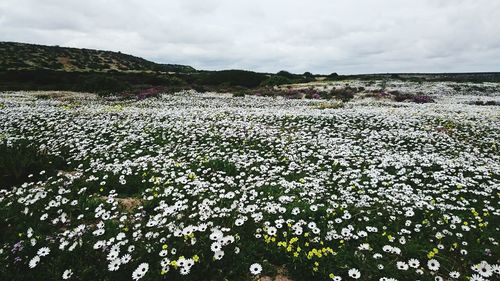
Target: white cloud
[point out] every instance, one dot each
(322, 36)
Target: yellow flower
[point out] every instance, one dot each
(331, 275)
(196, 258)
(164, 247)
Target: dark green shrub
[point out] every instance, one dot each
(104, 85)
(242, 78)
(239, 94)
(343, 94)
(23, 158)
(275, 80)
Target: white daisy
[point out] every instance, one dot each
(114, 265)
(34, 261)
(44, 251)
(140, 271)
(67, 274)
(354, 273)
(433, 265)
(255, 269)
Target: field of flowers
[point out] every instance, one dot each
(193, 186)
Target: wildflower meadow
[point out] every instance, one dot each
(207, 186)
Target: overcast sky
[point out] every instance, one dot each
(321, 36)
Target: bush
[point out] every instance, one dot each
(481, 103)
(104, 85)
(150, 92)
(243, 78)
(23, 158)
(331, 105)
(343, 94)
(239, 94)
(422, 99)
(400, 97)
(275, 80)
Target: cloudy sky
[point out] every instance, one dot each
(321, 36)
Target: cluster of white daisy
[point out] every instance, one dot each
(187, 184)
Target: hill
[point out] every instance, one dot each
(38, 67)
(21, 56)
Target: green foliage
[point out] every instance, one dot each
(275, 80)
(242, 78)
(239, 94)
(15, 56)
(104, 85)
(23, 158)
(331, 105)
(343, 94)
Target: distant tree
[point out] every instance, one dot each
(286, 74)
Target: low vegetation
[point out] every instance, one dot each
(191, 186)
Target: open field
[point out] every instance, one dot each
(191, 186)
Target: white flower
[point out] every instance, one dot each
(126, 258)
(216, 246)
(354, 273)
(476, 277)
(433, 265)
(402, 265)
(114, 265)
(34, 261)
(454, 274)
(67, 274)
(219, 255)
(140, 271)
(42, 252)
(413, 263)
(184, 270)
(255, 269)
(484, 269)
(272, 231)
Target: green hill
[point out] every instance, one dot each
(21, 56)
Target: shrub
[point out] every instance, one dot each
(199, 88)
(239, 94)
(149, 92)
(275, 80)
(104, 85)
(294, 95)
(491, 102)
(422, 99)
(233, 78)
(23, 158)
(331, 105)
(400, 97)
(343, 94)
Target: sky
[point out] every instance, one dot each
(320, 36)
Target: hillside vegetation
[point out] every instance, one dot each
(20, 56)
